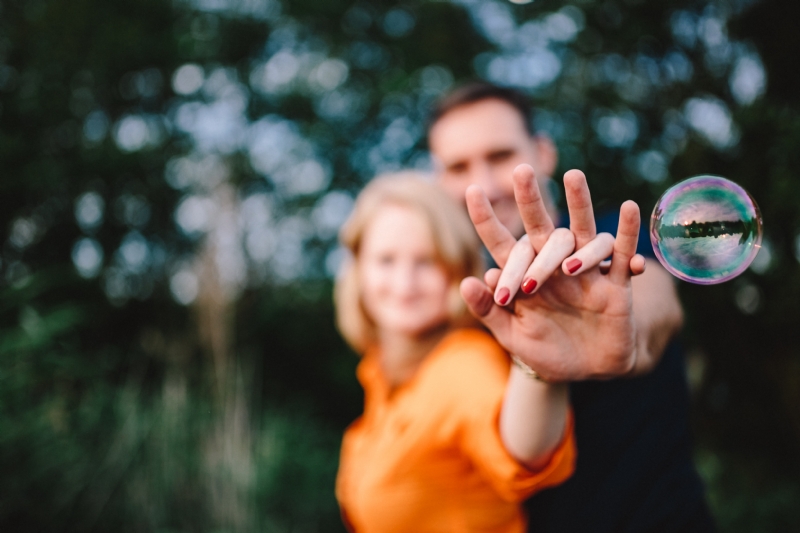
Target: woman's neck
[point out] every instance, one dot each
(401, 354)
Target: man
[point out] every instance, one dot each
(565, 320)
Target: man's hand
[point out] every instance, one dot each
(570, 321)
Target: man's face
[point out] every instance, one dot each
(482, 143)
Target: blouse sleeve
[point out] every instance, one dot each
(483, 372)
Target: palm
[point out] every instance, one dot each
(576, 326)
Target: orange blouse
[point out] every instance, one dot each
(428, 455)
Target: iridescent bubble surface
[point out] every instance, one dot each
(706, 230)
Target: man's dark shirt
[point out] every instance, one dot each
(634, 471)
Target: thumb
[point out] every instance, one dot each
(480, 302)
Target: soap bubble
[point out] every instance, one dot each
(706, 230)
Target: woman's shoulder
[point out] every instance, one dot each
(469, 356)
(473, 341)
(463, 379)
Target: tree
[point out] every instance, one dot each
(174, 174)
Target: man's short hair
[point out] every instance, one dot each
(477, 91)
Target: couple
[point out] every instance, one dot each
(453, 437)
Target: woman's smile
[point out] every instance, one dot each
(404, 286)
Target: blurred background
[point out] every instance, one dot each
(172, 177)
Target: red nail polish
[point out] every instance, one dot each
(503, 295)
(573, 265)
(528, 285)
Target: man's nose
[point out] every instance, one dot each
(485, 178)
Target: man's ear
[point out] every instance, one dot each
(546, 155)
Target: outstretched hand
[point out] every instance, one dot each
(555, 305)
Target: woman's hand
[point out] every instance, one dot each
(552, 305)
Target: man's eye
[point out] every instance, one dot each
(458, 169)
(498, 157)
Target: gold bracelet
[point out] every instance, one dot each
(528, 371)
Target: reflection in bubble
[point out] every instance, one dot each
(706, 230)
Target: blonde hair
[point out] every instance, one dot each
(457, 248)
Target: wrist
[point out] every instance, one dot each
(525, 369)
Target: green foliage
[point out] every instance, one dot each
(130, 399)
(747, 495)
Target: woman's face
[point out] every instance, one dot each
(403, 287)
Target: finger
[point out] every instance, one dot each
(557, 248)
(638, 264)
(625, 243)
(496, 237)
(491, 278)
(519, 260)
(479, 301)
(538, 224)
(590, 256)
(579, 204)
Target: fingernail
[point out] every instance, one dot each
(503, 295)
(573, 265)
(528, 285)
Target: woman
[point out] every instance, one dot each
(452, 437)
